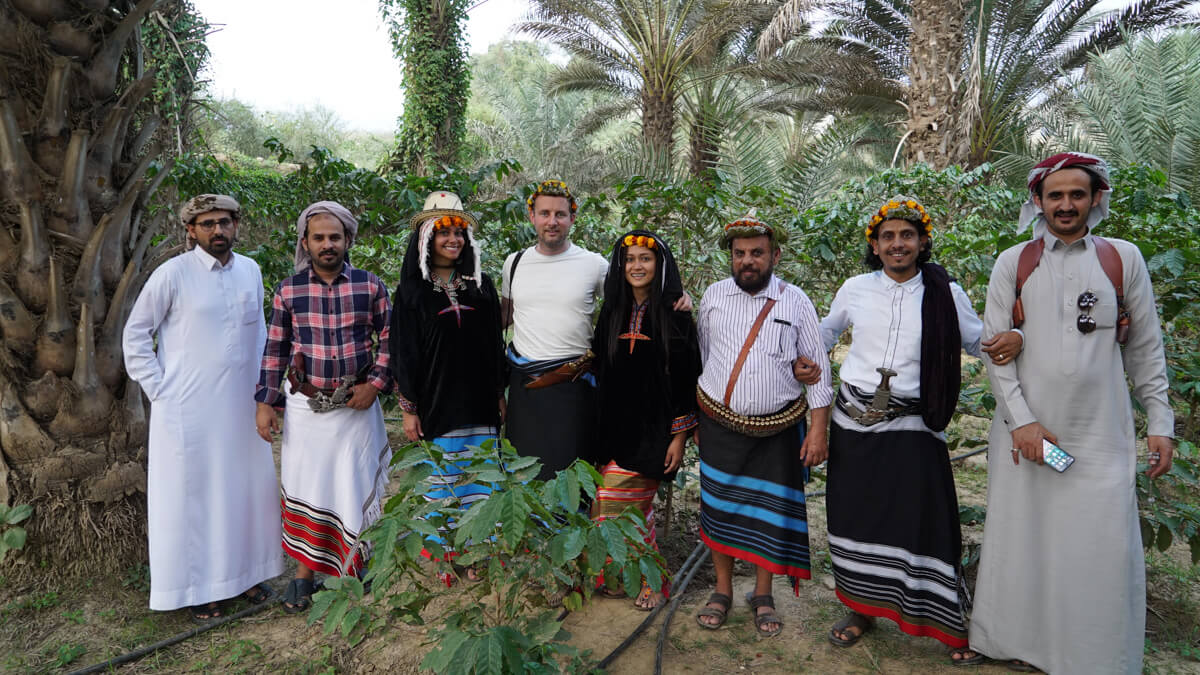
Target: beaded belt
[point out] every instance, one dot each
(758, 426)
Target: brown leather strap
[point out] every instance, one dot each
(741, 359)
(1031, 255)
(1114, 269)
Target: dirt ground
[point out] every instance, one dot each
(59, 627)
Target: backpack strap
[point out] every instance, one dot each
(1031, 255)
(1114, 269)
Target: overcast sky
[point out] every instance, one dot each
(283, 54)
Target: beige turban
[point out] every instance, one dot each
(203, 204)
(303, 259)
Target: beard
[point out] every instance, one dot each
(216, 246)
(333, 265)
(754, 283)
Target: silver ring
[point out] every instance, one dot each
(1015, 451)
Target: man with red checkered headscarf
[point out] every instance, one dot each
(1062, 583)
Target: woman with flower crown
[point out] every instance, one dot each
(446, 346)
(647, 362)
(894, 537)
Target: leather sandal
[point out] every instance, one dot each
(719, 613)
(258, 594)
(853, 620)
(761, 620)
(1022, 666)
(206, 612)
(298, 596)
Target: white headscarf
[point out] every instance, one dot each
(303, 259)
(1032, 213)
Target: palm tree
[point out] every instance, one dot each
(1011, 53)
(1133, 104)
(94, 100)
(637, 50)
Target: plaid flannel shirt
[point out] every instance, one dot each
(331, 326)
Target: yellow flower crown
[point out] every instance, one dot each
(551, 188)
(449, 221)
(902, 208)
(639, 240)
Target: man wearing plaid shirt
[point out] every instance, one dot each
(328, 335)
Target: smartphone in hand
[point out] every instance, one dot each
(1056, 457)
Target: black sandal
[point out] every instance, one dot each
(854, 620)
(298, 596)
(206, 612)
(1022, 666)
(719, 613)
(760, 620)
(258, 594)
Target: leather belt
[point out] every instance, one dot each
(757, 426)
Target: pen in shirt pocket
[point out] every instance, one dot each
(783, 335)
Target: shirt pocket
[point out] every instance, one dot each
(251, 311)
(777, 339)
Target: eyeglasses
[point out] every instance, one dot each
(223, 223)
(1085, 323)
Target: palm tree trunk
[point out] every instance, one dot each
(939, 128)
(74, 235)
(658, 126)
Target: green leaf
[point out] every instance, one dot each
(448, 645)
(14, 538)
(1164, 538)
(320, 605)
(597, 550)
(490, 655)
(337, 610)
(350, 621)
(618, 549)
(18, 513)
(651, 572)
(514, 516)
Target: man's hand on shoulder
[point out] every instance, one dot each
(683, 304)
(1162, 452)
(364, 395)
(1027, 442)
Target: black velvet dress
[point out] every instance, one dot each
(645, 398)
(448, 361)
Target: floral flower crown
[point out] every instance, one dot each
(639, 240)
(450, 221)
(551, 188)
(901, 208)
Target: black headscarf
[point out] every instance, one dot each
(941, 345)
(618, 297)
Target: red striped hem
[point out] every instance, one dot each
(321, 566)
(768, 565)
(951, 641)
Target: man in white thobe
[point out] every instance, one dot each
(1062, 580)
(213, 499)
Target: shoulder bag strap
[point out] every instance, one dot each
(754, 329)
(1031, 255)
(1114, 269)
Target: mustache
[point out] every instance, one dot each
(1072, 212)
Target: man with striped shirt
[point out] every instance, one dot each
(757, 334)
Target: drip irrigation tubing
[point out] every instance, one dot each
(193, 632)
(690, 567)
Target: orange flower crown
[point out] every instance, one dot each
(639, 240)
(450, 221)
(551, 188)
(902, 208)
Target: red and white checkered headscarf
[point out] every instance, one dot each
(1031, 213)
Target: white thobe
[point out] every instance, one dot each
(212, 495)
(886, 317)
(1062, 580)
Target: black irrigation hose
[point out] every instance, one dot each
(666, 626)
(692, 562)
(150, 649)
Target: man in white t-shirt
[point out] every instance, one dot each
(549, 293)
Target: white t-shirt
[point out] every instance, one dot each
(553, 301)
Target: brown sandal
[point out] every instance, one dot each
(719, 613)
(761, 620)
(854, 620)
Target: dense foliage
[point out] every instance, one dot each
(531, 543)
(428, 38)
